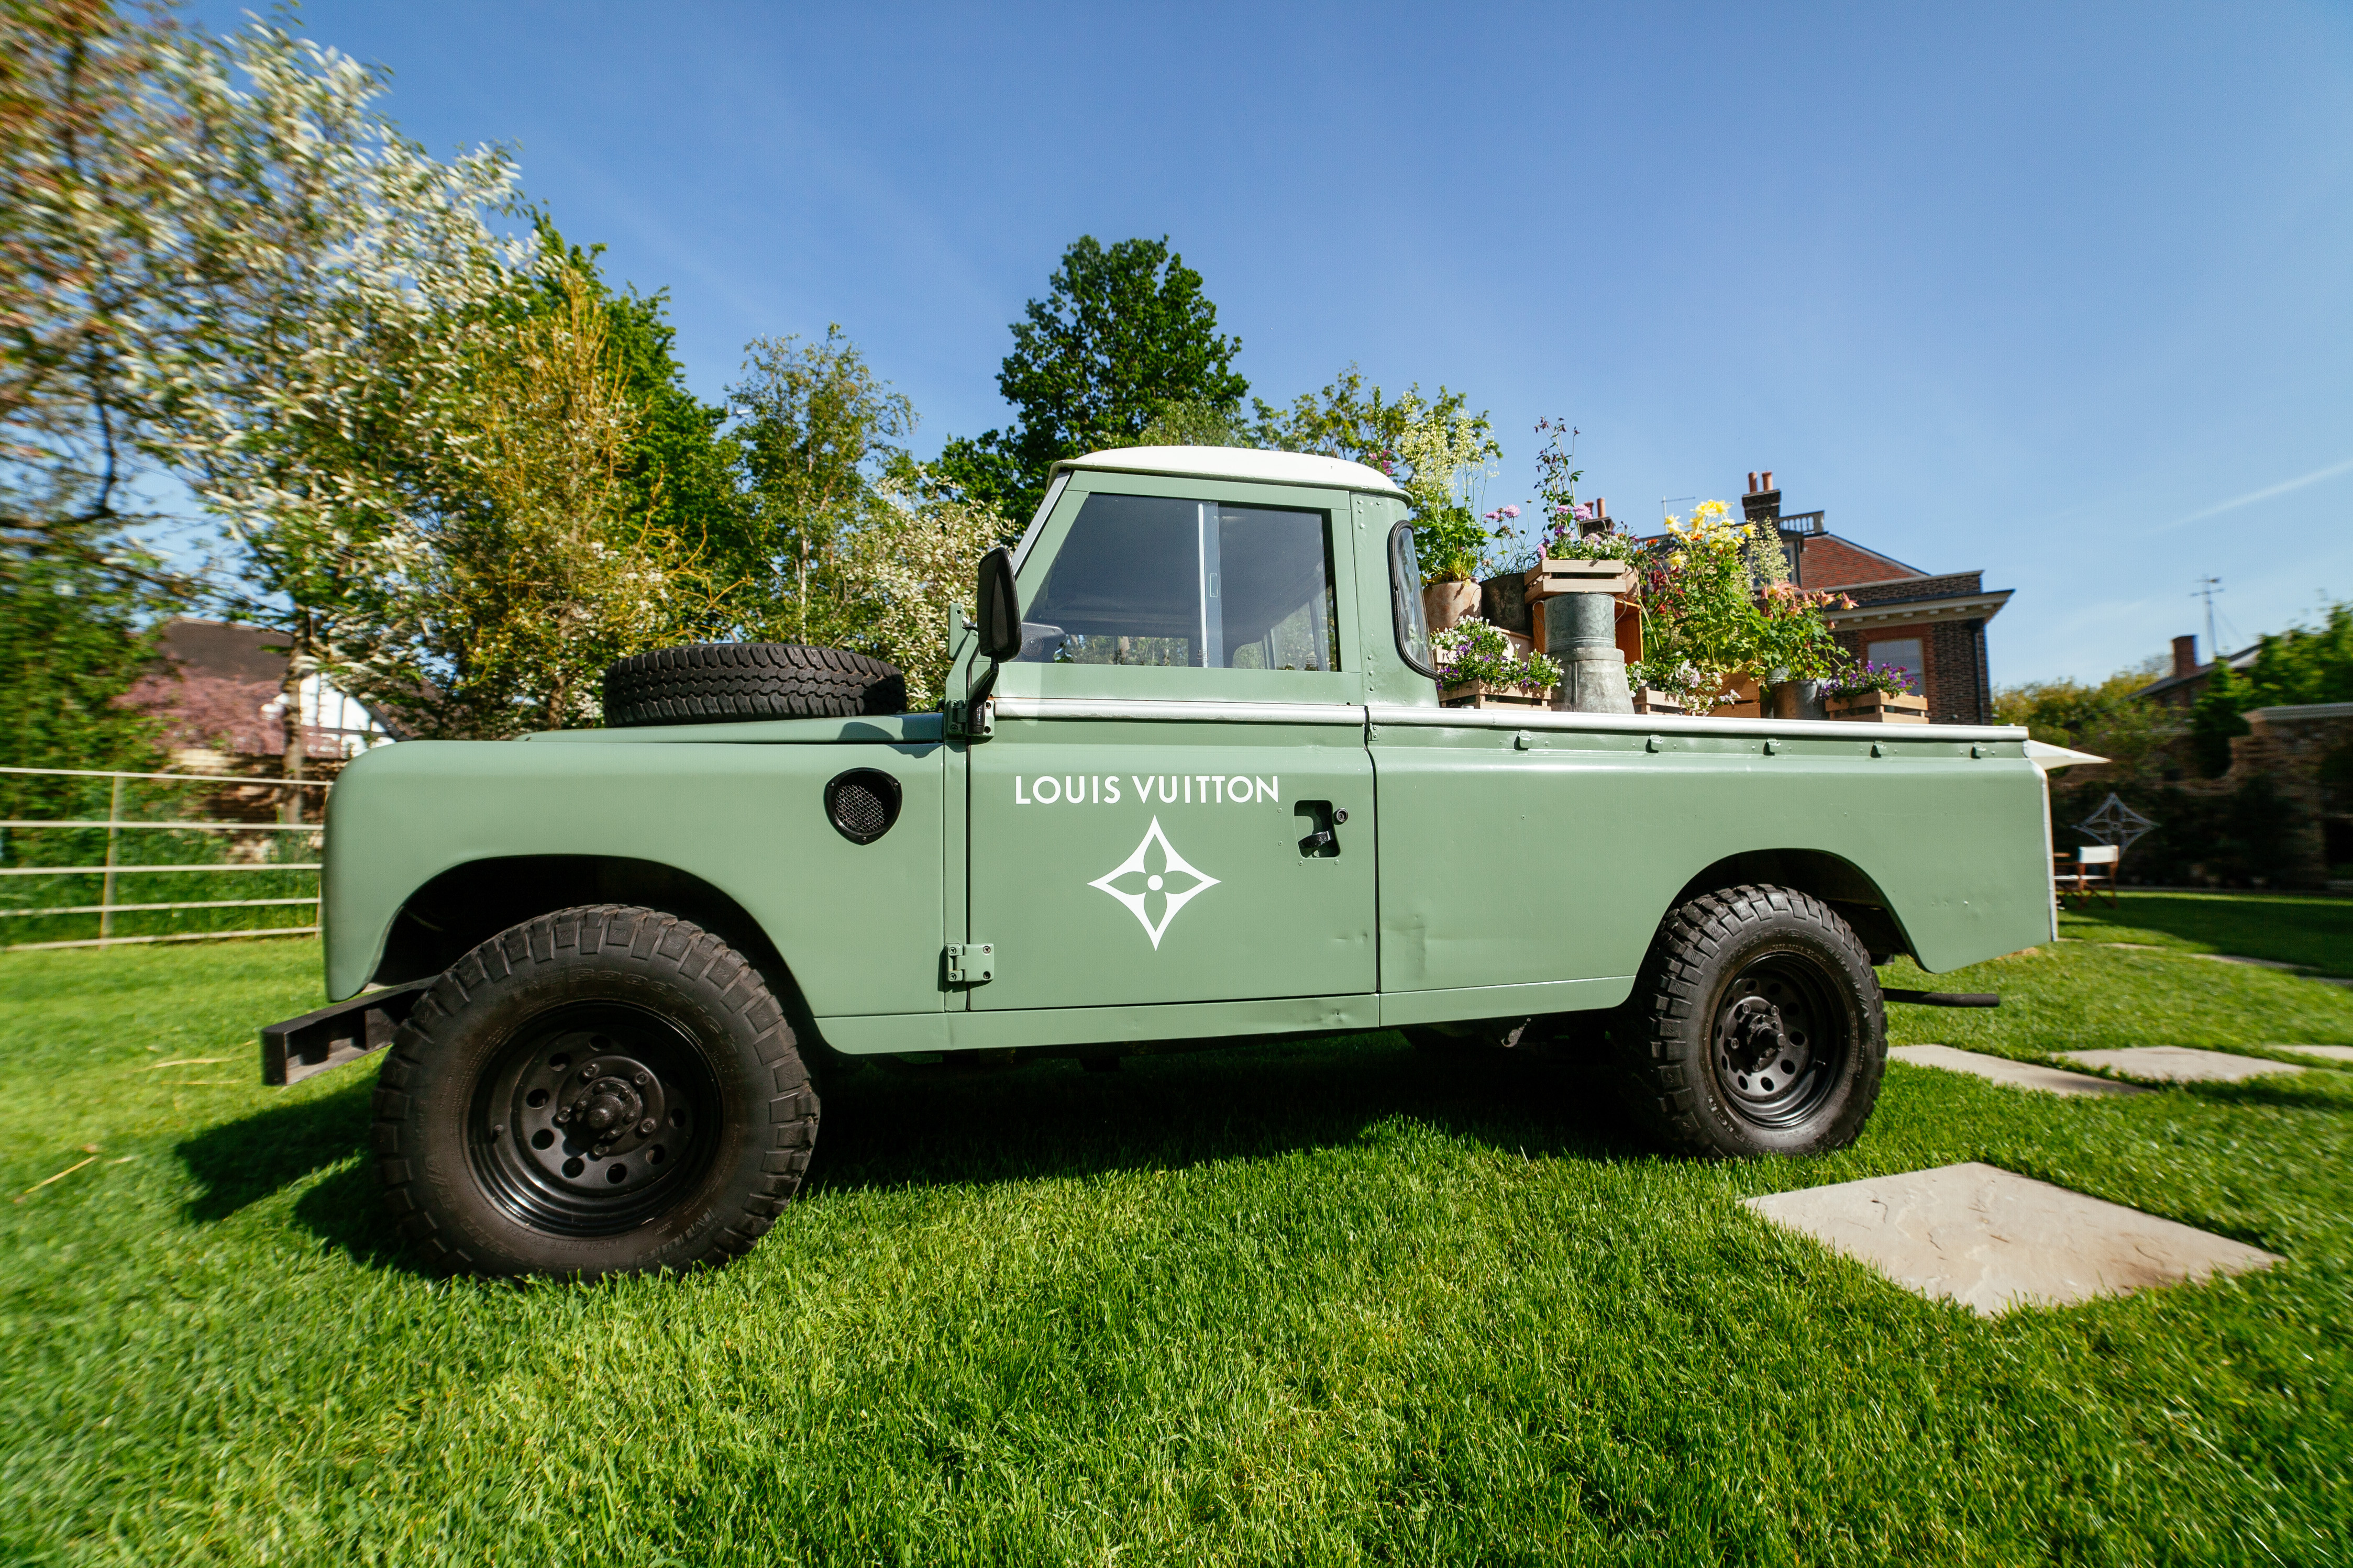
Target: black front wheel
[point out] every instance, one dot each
(601, 1090)
(1755, 1028)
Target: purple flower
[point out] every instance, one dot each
(1511, 511)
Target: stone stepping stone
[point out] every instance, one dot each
(1992, 1240)
(2328, 1053)
(2018, 1075)
(2179, 1064)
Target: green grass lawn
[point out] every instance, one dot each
(1341, 1304)
(2312, 930)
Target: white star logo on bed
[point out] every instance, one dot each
(1145, 884)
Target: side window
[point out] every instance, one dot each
(1199, 584)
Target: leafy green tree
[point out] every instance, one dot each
(1346, 419)
(2302, 664)
(527, 561)
(2306, 664)
(820, 428)
(1124, 332)
(2217, 716)
(682, 474)
(1433, 447)
(70, 647)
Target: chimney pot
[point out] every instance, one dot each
(1768, 479)
(2185, 656)
(1752, 481)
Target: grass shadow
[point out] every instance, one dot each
(346, 1211)
(241, 1163)
(2306, 930)
(2312, 1090)
(886, 1129)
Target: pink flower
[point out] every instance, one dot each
(1511, 511)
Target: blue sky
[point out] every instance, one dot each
(2060, 292)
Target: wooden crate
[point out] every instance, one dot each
(1552, 576)
(1878, 708)
(1650, 699)
(1479, 694)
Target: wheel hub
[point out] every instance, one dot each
(1755, 1034)
(1769, 1053)
(591, 1119)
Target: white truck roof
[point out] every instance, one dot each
(1238, 463)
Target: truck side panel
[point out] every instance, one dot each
(749, 819)
(1502, 864)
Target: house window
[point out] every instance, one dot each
(1904, 654)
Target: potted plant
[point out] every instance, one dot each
(1797, 648)
(1660, 690)
(1581, 552)
(1877, 694)
(1440, 455)
(1700, 623)
(1482, 666)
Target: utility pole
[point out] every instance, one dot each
(2207, 588)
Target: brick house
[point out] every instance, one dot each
(219, 690)
(1931, 623)
(2187, 684)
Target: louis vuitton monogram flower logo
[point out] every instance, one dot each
(1154, 879)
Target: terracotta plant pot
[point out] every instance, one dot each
(1879, 707)
(1446, 603)
(1479, 694)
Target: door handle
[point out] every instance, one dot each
(1323, 842)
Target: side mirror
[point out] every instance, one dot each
(1000, 639)
(1000, 605)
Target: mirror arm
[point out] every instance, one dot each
(977, 694)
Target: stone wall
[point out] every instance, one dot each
(2285, 747)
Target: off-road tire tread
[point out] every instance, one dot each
(735, 682)
(657, 941)
(1646, 1036)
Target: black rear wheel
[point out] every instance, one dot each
(601, 1090)
(1755, 1028)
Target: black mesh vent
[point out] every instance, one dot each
(863, 804)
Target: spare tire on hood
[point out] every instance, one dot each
(733, 682)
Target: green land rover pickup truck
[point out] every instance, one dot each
(1194, 784)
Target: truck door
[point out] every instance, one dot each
(1176, 803)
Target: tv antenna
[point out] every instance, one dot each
(1666, 502)
(2207, 588)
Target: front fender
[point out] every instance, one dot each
(860, 925)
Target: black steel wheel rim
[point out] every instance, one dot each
(593, 1119)
(1780, 1039)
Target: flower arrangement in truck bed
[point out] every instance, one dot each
(1891, 679)
(1473, 650)
(1717, 603)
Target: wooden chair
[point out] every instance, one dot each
(2092, 872)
